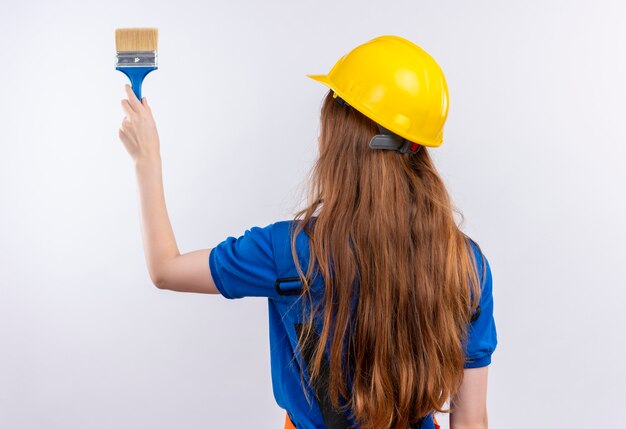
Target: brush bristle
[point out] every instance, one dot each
(136, 39)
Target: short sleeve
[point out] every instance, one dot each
(482, 336)
(245, 266)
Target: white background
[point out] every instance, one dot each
(534, 157)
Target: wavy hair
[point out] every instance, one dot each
(382, 227)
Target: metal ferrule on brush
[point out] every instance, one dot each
(136, 59)
(136, 65)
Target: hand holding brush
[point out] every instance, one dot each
(138, 131)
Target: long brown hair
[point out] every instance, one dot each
(385, 219)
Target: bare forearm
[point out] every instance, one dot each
(158, 237)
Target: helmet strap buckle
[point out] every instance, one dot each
(340, 100)
(388, 140)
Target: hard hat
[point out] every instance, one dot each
(395, 83)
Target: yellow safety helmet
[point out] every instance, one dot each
(395, 83)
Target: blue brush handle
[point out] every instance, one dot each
(136, 76)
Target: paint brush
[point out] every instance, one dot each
(136, 54)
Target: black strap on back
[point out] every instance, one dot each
(333, 418)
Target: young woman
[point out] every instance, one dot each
(380, 307)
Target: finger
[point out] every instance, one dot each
(144, 101)
(127, 108)
(134, 102)
(126, 125)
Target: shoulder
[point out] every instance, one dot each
(283, 230)
(273, 239)
(482, 264)
(267, 231)
(277, 232)
(478, 251)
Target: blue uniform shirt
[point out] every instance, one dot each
(245, 266)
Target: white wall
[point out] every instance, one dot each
(534, 156)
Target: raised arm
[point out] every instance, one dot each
(187, 273)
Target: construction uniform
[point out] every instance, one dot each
(259, 264)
